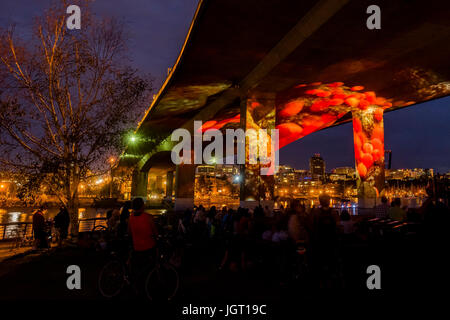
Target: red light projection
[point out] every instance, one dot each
(213, 124)
(368, 135)
(309, 108)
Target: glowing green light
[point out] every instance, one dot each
(133, 138)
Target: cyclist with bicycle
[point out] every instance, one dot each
(147, 268)
(143, 231)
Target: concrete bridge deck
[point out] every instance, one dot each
(242, 52)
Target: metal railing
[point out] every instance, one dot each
(13, 230)
(89, 224)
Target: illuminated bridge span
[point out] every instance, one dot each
(300, 67)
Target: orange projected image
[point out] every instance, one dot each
(305, 109)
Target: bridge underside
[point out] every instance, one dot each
(300, 67)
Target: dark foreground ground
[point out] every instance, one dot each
(407, 268)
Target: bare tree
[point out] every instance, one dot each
(66, 97)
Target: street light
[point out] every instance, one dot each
(133, 138)
(111, 162)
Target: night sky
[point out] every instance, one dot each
(418, 136)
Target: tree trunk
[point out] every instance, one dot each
(72, 201)
(73, 207)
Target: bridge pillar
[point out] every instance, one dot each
(257, 112)
(139, 184)
(169, 184)
(368, 134)
(159, 185)
(184, 187)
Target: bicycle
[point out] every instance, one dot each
(161, 281)
(21, 239)
(300, 264)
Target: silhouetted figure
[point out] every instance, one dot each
(346, 222)
(381, 210)
(124, 218)
(324, 241)
(39, 229)
(395, 212)
(143, 232)
(61, 223)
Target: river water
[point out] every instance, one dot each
(25, 214)
(10, 217)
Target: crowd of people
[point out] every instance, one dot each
(263, 235)
(247, 235)
(248, 238)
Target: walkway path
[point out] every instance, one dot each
(6, 252)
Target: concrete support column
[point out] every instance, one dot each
(368, 134)
(169, 184)
(184, 187)
(139, 184)
(159, 184)
(257, 112)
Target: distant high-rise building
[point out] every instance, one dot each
(317, 167)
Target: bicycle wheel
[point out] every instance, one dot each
(162, 283)
(15, 243)
(111, 279)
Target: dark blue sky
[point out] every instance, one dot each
(418, 136)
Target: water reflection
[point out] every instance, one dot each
(10, 215)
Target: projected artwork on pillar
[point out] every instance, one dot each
(368, 134)
(260, 114)
(305, 109)
(309, 108)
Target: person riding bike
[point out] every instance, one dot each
(143, 233)
(145, 269)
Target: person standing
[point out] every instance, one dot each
(143, 233)
(39, 229)
(324, 241)
(124, 217)
(395, 212)
(381, 210)
(62, 222)
(297, 223)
